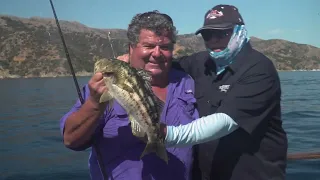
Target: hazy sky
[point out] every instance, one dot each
(293, 20)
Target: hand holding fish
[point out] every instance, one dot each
(97, 88)
(131, 88)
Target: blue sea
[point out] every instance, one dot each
(31, 146)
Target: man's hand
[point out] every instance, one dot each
(163, 130)
(82, 124)
(97, 87)
(124, 58)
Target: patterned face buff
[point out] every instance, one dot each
(226, 57)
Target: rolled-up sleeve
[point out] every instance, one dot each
(252, 98)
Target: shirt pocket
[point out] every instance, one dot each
(208, 100)
(117, 123)
(202, 102)
(185, 108)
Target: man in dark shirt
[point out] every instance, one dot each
(234, 79)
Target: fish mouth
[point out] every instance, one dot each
(108, 74)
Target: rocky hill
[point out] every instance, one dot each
(31, 47)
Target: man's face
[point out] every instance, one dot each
(152, 53)
(216, 40)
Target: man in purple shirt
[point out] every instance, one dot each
(152, 36)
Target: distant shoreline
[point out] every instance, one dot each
(53, 76)
(87, 74)
(314, 70)
(81, 74)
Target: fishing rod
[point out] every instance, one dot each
(99, 156)
(67, 54)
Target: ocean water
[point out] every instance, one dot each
(31, 146)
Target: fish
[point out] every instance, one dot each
(131, 88)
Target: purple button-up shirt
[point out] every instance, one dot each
(121, 150)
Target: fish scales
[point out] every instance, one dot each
(136, 82)
(132, 90)
(141, 107)
(144, 96)
(140, 97)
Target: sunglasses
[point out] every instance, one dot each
(217, 34)
(148, 14)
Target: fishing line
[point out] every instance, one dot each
(111, 45)
(99, 156)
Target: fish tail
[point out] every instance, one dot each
(158, 148)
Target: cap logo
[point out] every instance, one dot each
(214, 14)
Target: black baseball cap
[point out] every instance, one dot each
(221, 17)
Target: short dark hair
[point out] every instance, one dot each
(153, 21)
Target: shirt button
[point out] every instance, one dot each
(208, 101)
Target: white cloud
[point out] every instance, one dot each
(281, 31)
(276, 31)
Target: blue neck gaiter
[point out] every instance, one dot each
(223, 58)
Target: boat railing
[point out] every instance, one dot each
(303, 155)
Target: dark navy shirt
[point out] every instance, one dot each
(249, 92)
(121, 150)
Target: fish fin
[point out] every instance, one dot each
(109, 105)
(105, 97)
(159, 104)
(144, 74)
(161, 152)
(135, 128)
(158, 148)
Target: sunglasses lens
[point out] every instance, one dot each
(217, 34)
(147, 14)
